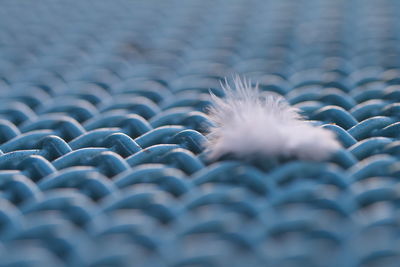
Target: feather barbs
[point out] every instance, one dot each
(248, 123)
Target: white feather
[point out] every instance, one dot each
(248, 123)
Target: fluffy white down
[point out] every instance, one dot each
(248, 123)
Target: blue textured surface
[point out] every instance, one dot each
(102, 120)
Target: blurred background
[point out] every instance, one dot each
(103, 119)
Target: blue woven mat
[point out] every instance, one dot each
(103, 121)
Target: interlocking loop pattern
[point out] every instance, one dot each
(102, 122)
